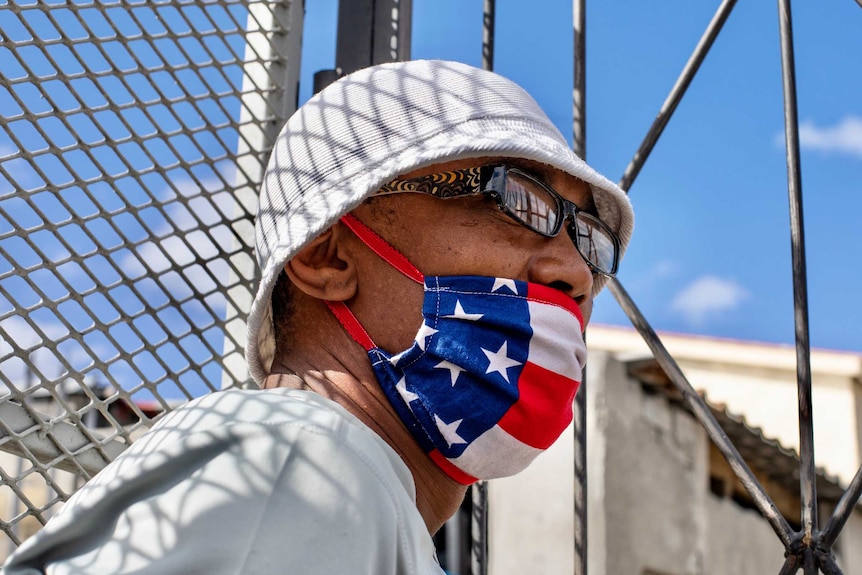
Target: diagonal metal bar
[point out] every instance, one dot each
(676, 93)
(808, 489)
(827, 564)
(842, 511)
(702, 412)
(859, 2)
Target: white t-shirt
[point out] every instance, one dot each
(257, 482)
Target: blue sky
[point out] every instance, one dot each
(711, 250)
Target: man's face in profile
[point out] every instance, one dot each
(465, 236)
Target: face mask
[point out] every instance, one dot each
(489, 381)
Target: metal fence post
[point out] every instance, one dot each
(579, 139)
(372, 32)
(479, 491)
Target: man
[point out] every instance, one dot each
(429, 249)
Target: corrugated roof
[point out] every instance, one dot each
(767, 455)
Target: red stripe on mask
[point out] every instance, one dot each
(536, 418)
(544, 294)
(451, 470)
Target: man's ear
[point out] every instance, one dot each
(324, 269)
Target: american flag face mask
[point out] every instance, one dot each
(490, 379)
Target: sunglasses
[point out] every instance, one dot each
(528, 201)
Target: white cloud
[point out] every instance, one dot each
(651, 278)
(663, 269)
(708, 297)
(845, 137)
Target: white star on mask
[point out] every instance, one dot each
(406, 395)
(425, 332)
(461, 314)
(449, 430)
(454, 370)
(504, 283)
(499, 360)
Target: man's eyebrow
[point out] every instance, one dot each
(525, 165)
(590, 206)
(541, 171)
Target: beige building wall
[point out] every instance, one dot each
(654, 471)
(650, 507)
(758, 381)
(848, 547)
(739, 540)
(531, 527)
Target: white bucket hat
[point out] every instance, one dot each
(380, 122)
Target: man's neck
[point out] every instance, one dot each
(340, 371)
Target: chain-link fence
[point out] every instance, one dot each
(133, 136)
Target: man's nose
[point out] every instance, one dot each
(559, 264)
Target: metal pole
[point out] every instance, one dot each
(579, 94)
(323, 78)
(791, 565)
(454, 544)
(809, 565)
(808, 489)
(579, 139)
(13, 504)
(702, 412)
(479, 527)
(488, 14)
(390, 40)
(354, 35)
(580, 511)
(372, 32)
(479, 551)
(676, 93)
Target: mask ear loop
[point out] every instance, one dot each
(382, 248)
(350, 324)
(392, 256)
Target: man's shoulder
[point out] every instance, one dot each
(296, 420)
(267, 407)
(236, 412)
(249, 481)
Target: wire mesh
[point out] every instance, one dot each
(133, 135)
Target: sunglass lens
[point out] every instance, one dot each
(595, 242)
(530, 203)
